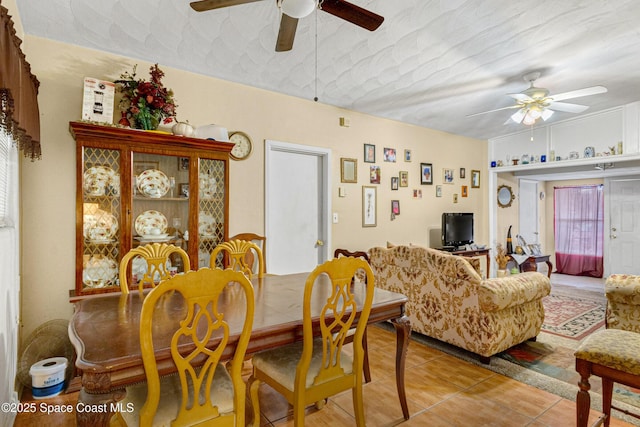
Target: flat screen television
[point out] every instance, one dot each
(457, 229)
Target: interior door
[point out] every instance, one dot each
(528, 214)
(297, 207)
(624, 226)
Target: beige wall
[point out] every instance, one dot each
(49, 185)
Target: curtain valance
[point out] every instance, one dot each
(19, 113)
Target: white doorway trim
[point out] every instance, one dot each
(324, 155)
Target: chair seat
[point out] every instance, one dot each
(170, 396)
(613, 348)
(281, 363)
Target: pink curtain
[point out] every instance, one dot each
(579, 230)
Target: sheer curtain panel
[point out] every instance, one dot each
(579, 230)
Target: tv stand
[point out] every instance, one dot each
(471, 253)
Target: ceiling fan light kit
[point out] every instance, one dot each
(536, 103)
(297, 8)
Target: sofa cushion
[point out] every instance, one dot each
(499, 293)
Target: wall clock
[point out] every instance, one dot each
(243, 145)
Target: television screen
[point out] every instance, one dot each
(457, 229)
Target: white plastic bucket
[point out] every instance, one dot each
(47, 377)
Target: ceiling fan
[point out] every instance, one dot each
(535, 103)
(292, 10)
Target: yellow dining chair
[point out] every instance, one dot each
(349, 338)
(261, 242)
(237, 251)
(314, 369)
(220, 393)
(156, 256)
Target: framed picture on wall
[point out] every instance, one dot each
(369, 153)
(407, 155)
(348, 170)
(394, 182)
(463, 173)
(475, 179)
(426, 174)
(447, 176)
(464, 191)
(369, 206)
(374, 174)
(395, 207)
(389, 154)
(404, 178)
(438, 190)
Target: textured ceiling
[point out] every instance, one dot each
(431, 63)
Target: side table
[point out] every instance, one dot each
(531, 263)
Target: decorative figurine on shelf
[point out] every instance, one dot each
(144, 105)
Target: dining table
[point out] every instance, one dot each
(104, 331)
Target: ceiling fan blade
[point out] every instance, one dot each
(567, 107)
(578, 93)
(493, 111)
(520, 97)
(287, 33)
(352, 13)
(204, 5)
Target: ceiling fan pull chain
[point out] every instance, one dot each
(315, 98)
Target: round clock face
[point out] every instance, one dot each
(243, 146)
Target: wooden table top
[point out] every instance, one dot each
(105, 329)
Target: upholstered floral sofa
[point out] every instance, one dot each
(623, 302)
(449, 301)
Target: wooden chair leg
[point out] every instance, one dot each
(607, 395)
(583, 399)
(365, 364)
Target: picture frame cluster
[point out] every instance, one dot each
(427, 176)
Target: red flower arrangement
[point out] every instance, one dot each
(144, 104)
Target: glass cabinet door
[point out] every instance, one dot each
(211, 209)
(101, 217)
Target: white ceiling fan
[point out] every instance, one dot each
(535, 103)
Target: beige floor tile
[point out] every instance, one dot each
(523, 398)
(465, 410)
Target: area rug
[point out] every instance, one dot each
(549, 363)
(572, 317)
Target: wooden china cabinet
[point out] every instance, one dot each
(136, 187)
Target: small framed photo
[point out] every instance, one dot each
(407, 155)
(463, 173)
(394, 182)
(184, 190)
(369, 206)
(374, 174)
(395, 207)
(369, 153)
(455, 198)
(348, 170)
(475, 179)
(438, 190)
(183, 163)
(447, 176)
(464, 191)
(426, 174)
(417, 193)
(404, 178)
(389, 154)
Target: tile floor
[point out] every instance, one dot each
(442, 391)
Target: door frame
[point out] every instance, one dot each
(324, 155)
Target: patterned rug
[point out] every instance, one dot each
(572, 317)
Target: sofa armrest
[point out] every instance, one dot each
(623, 288)
(499, 293)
